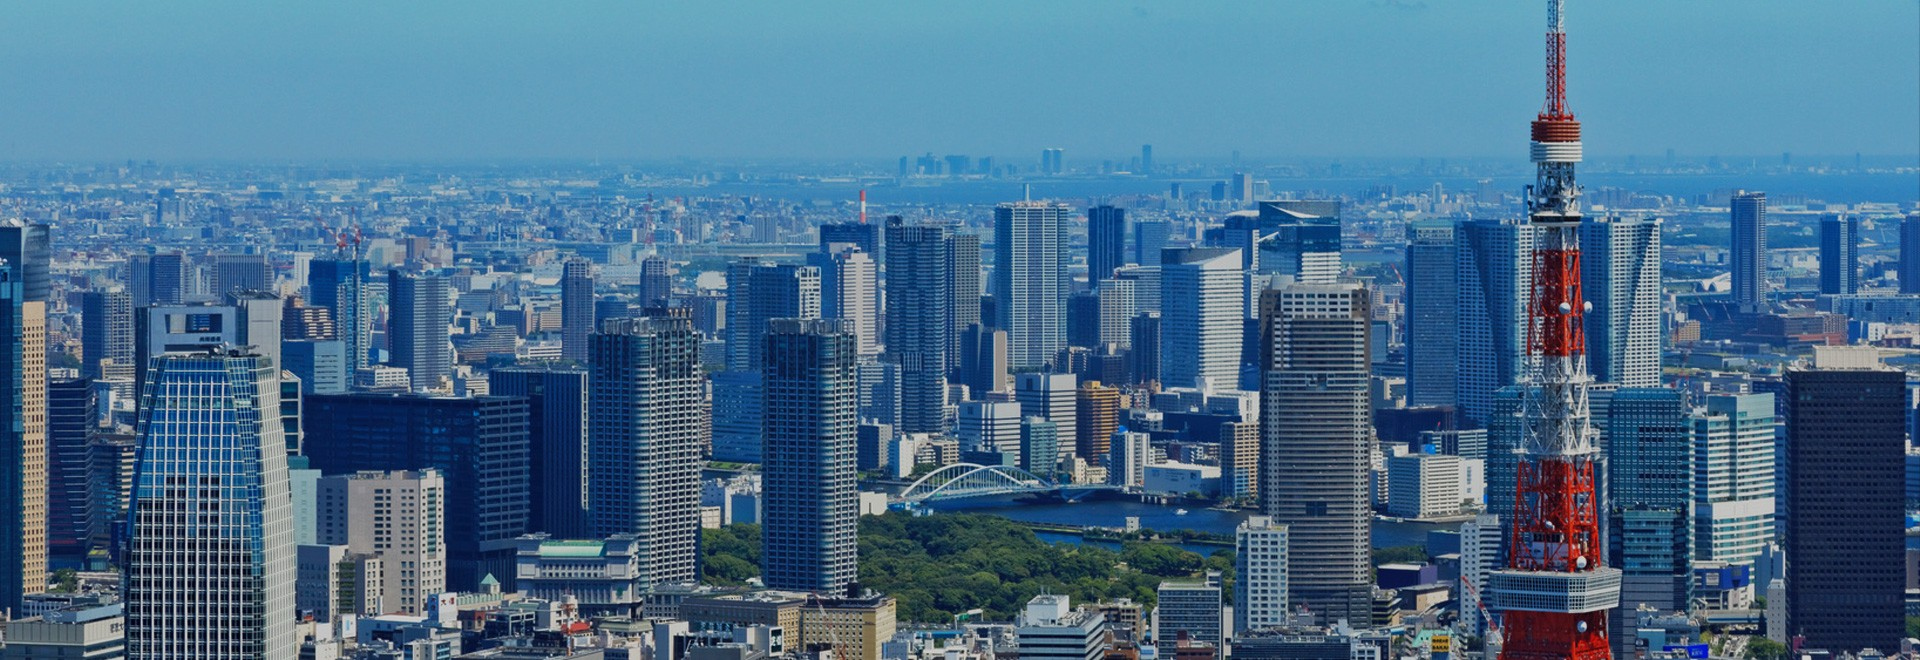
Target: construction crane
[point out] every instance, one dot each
(1554, 593)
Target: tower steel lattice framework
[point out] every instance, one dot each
(1555, 593)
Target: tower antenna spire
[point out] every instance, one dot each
(1554, 591)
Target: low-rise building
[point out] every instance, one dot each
(1051, 630)
(94, 633)
(604, 576)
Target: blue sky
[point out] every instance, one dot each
(187, 79)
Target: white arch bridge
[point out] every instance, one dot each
(963, 480)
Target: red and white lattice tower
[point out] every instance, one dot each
(1555, 593)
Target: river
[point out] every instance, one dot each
(1114, 511)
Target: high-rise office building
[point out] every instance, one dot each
(1300, 238)
(990, 426)
(807, 478)
(257, 318)
(1106, 241)
(398, 516)
(1143, 347)
(1846, 527)
(983, 361)
(1202, 312)
(1432, 314)
(557, 405)
(1910, 253)
(1146, 159)
(478, 444)
(1260, 575)
(158, 279)
(1733, 482)
(1053, 397)
(239, 272)
(1839, 254)
(27, 248)
(1317, 443)
(1096, 418)
(1620, 277)
(646, 430)
(758, 292)
(73, 419)
(1039, 442)
(216, 583)
(917, 331)
(1030, 280)
(340, 284)
(1191, 607)
(850, 291)
(417, 330)
(1748, 258)
(964, 287)
(1479, 557)
(1649, 503)
(1240, 459)
(576, 309)
(1083, 320)
(1150, 237)
(106, 333)
(23, 440)
(320, 365)
(1495, 280)
(656, 281)
(870, 238)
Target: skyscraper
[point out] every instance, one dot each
(1432, 314)
(646, 430)
(216, 583)
(1300, 238)
(808, 481)
(1620, 277)
(23, 440)
(398, 516)
(161, 279)
(1839, 254)
(1845, 532)
(1748, 257)
(1030, 279)
(1149, 238)
(656, 281)
(849, 291)
(478, 444)
(27, 248)
(983, 361)
(964, 288)
(1096, 418)
(106, 333)
(1649, 504)
(1202, 312)
(73, 419)
(1733, 498)
(576, 309)
(917, 328)
(1317, 441)
(1055, 398)
(340, 284)
(870, 238)
(417, 329)
(557, 445)
(240, 272)
(758, 292)
(1106, 241)
(1495, 282)
(1910, 253)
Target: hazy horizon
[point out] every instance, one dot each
(1305, 79)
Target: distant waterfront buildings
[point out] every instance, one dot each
(1748, 256)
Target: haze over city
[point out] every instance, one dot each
(197, 80)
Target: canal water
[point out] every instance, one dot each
(1114, 511)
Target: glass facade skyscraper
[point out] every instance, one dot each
(210, 560)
